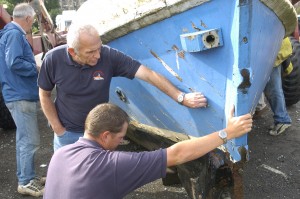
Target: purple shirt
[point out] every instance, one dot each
(80, 88)
(85, 170)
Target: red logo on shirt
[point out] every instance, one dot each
(98, 75)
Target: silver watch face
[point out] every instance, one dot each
(180, 98)
(223, 134)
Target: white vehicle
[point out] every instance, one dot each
(64, 20)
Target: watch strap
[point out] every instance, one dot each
(180, 98)
(223, 136)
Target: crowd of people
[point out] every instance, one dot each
(87, 129)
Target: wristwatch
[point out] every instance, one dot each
(180, 98)
(223, 136)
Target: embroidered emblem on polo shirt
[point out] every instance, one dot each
(98, 75)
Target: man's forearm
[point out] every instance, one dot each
(50, 112)
(158, 81)
(188, 150)
(165, 86)
(192, 100)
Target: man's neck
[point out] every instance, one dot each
(19, 25)
(89, 137)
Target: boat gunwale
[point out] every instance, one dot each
(283, 9)
(147, 18)
(286, 13)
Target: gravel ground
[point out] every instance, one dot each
(273, 170)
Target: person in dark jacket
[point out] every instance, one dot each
(18, 76)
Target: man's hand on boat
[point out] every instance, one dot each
(191, 100)
(194, 100)
(238, 126)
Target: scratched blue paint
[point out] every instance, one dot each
(216, 72)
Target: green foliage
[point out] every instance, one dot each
(10, 5)
(52, 7)
(52, 4)
(53, 13)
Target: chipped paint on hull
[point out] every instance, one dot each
(168, 68)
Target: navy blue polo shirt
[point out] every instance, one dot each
(80, 88)
(85, 170)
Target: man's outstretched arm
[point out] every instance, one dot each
(188, 150)
(192, 100)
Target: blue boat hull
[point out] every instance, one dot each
(234, 72)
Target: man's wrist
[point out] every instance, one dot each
(223, 135)
(180, 98)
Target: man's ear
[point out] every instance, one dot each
(72, 52)
(105, 136)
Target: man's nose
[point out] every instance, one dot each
(97, 54)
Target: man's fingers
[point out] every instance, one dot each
(247, 122)
(195, 100)
(247, 117)
(231, 111)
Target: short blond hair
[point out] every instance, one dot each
(105, 117)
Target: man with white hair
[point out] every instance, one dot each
(18, 75)
(82, 71)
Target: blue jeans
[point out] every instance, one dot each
(24, 114)
(67, 138)
(274, 94)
